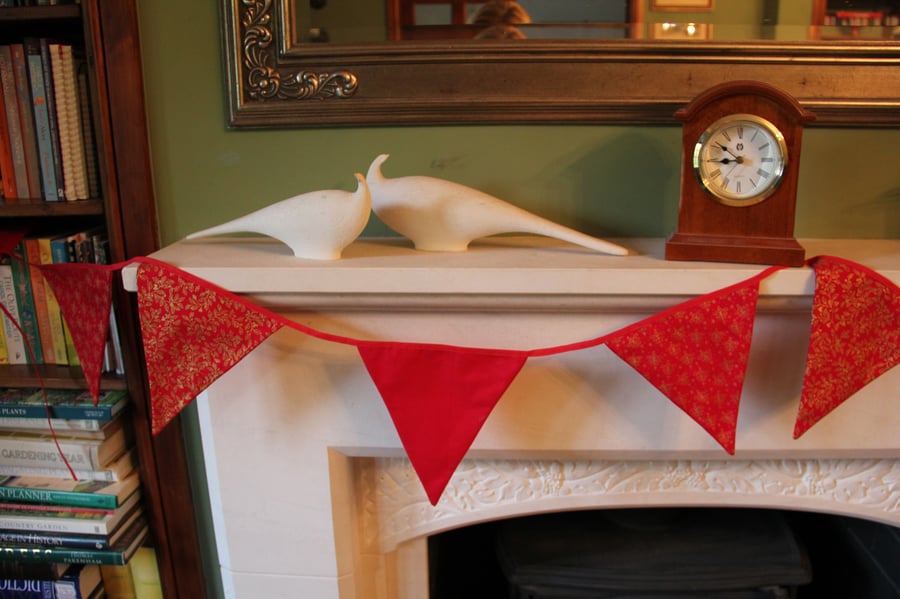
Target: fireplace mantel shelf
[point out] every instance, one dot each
(512, 266)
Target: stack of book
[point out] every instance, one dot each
(56, 531)
(47, 146)
(44, 337)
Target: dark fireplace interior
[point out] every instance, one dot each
(666, 553)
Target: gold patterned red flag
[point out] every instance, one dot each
(193, 333)
(438, 398)
(696, 354)
(854, 336)
(84, 294)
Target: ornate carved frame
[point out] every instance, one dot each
(273, 83)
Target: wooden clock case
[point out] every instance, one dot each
(761, 233)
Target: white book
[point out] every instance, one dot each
(15, 343)
(68, 116)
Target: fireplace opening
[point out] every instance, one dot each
(684, 553)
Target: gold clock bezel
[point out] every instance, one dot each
(723, 123)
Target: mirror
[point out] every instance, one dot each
(291, 63)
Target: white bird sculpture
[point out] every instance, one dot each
(440, 215)
(316, 224)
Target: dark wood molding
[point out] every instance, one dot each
(111, 28)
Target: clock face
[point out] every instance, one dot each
(739, 159)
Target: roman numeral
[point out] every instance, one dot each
(763, 147)
(763, 174)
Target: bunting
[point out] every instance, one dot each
(854, 336)
(696, 354)
(84, 294)
(439, 396)
(193, 333)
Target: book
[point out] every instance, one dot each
(18, 175)
(50, 98)
(118, 554)
(69, 121)
(66, 404)
(39, 293)
(57, 334)
(14, 341)
(78, 582)
(87, 127)
(85, 428)
(145, 574)
(115, 471)
(37, 450)
(67, 492)
(60, 255)
(7, 170)
(67, 522)
(66, 540)
(26, 120)
(41, 119)
(25, 300)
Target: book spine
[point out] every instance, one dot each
(103, 475)
(15, 343)
(73, 121)
(4, 356)
(87, 129)
(47, 523)
(43, 453)
(60, 254)
(26, 120)
(24, 537)
(50, 97)
(7, 170)
(93, 501)
(112, 474)
(64, 555)
(39, 507)
(18, 175)
(12, 588)
(57, 334)
(60, 425)
(41, 119)
(39, 292)
(25, 300)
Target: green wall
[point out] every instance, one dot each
(605, 180)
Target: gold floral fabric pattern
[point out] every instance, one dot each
(84, 293)
(193, 333)
(854, 336)
(696, 354)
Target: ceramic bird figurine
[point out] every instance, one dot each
(441, 215)
(316, 224)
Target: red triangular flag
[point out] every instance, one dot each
(193, 333)
(84, 294)
(854, 337)
(9, 239)
(439, 397)
(696, 354)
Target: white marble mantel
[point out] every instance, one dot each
(310, 491)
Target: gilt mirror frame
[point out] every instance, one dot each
(272, 83)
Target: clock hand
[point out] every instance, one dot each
(737, 160)
(724, 148)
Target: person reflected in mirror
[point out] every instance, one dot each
(499, 19)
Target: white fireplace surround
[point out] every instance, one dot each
(310, 490)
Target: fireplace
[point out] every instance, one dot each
(312, 494)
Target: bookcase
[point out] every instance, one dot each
(125, 208)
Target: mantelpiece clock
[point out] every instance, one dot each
(740, 158)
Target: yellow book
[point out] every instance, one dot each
(145, 574)
(118, 581)
(57, 333)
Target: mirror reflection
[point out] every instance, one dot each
(356, 21)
